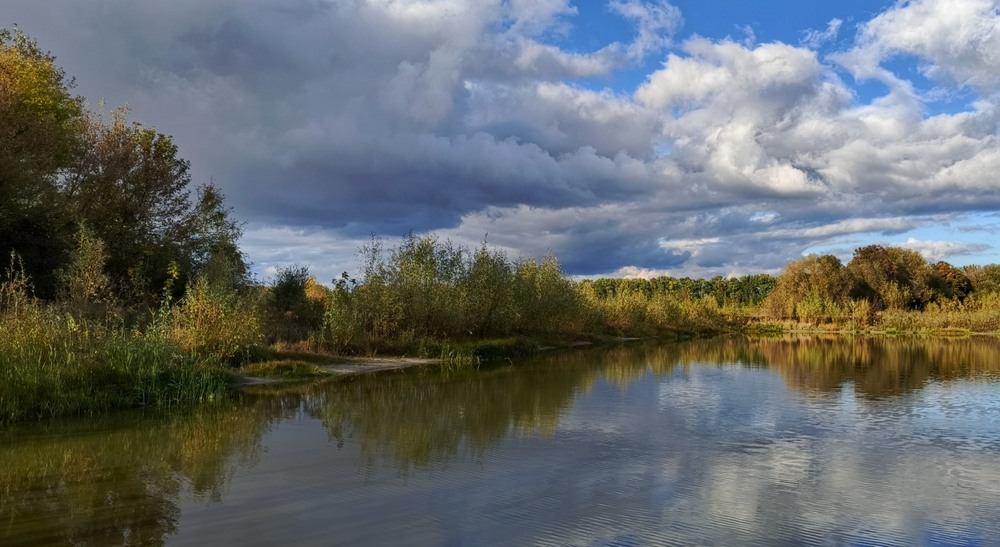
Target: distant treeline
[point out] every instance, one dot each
(748, 290)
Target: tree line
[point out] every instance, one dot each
(879, 283)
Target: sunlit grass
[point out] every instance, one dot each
(52, 365)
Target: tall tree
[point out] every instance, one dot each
(62, 167)
(890, 277)
(820, 279)
(40, 124)
(212, 239)
(131, 189)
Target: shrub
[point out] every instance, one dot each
(215, 324)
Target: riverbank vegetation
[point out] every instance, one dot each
(124, 284)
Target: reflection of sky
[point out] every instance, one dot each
(707, 455)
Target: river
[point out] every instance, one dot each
(784, 441)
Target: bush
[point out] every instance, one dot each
(295, 306)
(216, 324)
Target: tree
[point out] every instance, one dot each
(40, 121)
(39, 139)
(488, 297)
(83, 283)
(890, 277)
(948, 282)
(62, 167)
(131, 189)
(812, 286)
(984, 279)
(547, 300)
(212, 238)
(425, 274)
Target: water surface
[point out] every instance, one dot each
(784, 441)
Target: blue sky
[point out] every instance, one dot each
(627, 137)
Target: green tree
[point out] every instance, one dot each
(810, 289)
(984, 279)
(488, 293)
(39, 139)
(425, 273)
(130, 187)
(890, 277)
(84, 286)
(547, 300)
(948, 282)
(212, 240)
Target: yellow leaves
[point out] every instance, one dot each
(215, 324)
(36, 85)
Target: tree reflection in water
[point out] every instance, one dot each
(119, 480)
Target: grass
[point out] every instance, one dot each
(52, 365)
(770, 328)
(478, 351)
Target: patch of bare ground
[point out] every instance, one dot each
(360, 366)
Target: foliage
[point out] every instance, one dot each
(84, 286)
(53, 363)
(61, 166)
(295, 305)
(811, 289)
(130, 187)
(39, 137)
(984, 279)
(487, 290)
(890, 277)
(215, 324)
(211, 237)
(429, 290)
(547, 301)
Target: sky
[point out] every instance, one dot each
(626, 137)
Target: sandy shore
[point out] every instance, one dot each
(375, 365)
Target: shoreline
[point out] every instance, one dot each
(351, 367)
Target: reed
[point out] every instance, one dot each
(54, 364)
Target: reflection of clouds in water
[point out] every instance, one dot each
(742, 460)
(688, 393)
(886, 482)
(968, 408)
(697, 454)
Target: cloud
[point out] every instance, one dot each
(955, 41)
(657, 21)
(934, 251)
(813, 38)
(326, 121)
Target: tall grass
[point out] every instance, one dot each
(53, 365)
(54, 362)
(980, 313)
